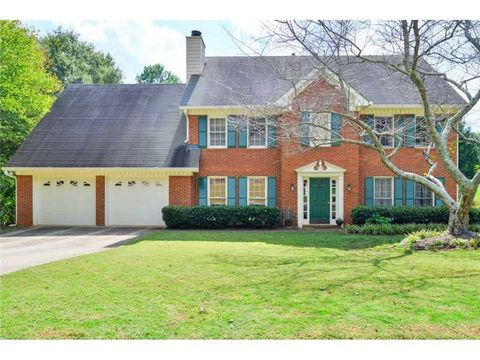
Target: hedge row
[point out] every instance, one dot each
(408, 215)
(399, 229)
(220, 217)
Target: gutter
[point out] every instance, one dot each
(11, 175)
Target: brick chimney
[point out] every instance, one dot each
(195, 54)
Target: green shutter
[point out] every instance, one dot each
(272, 191)
(202, 191)
(439, 126)
(370, 121)
(368, 191)
(410, 193)
(438, 201)
(202, 131)
(410, 132)
(232, 191)
(242, 133)
(232, 133)
(336, 127)
(399, 130)
(304, 128)
(271, 133)
(242, 191)
(398, 186)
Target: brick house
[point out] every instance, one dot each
(116, 154)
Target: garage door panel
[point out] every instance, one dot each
(136, 201)
(64, 201)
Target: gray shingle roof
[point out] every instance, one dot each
(242, 80)
(110, 126)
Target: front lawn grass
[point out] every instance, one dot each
(477, 198)
(248, 284)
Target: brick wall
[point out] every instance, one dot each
(24, 200)
(282, 161)
(100, 201)
(182, 190)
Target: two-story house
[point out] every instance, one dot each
(116, 154)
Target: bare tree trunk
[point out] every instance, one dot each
(459, 217)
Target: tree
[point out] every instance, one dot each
(156, 74)
(75, 61)
(421, 52)
(468, 152)
(26, 93)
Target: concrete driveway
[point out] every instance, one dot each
(35, 246)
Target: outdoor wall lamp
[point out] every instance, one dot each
(349, 187)
(292, 187)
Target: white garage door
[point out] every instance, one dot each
(136, 201)
(64, 201)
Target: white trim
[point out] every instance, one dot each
(392, 186)
(208, 133)
(393, 129)
(265, 178)
(248, 134)
(208, 188)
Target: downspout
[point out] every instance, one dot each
(185, 112)
(11, 175)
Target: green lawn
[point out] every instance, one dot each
(477, 198)
(248, 284)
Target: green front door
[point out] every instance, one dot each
(319, 200)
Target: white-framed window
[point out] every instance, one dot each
(217, 190)
(320, 129)
(333, 196)
(257, 191)
(305, 199)
(257, 133)
(423, 195)
(383, 191)
(384, 124)
(422, 137)
(217, 132)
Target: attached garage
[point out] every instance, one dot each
(136, 201)
(64, 201)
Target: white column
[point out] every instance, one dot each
(340, 197)
(299, 201)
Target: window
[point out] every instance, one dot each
(305, 199)
(257, 191)
(217, 132)
(334, 198)
(385, 125)
(423, 195)
(131, 183)
(217, 191)
(257, 132)
(320, 129)
(47, 183)
(145, 183)
(118, 183)
(383, 191)
(60, 183)
(74, 183)
(422, 137)
(86, 184)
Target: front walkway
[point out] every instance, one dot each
(40, 245)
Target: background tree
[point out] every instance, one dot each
(468, 152)
(26, 93)
(75, 61)
(420, 52)
(156, 74)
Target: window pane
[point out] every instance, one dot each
(256, 191)
(383, 192)
(422, 137)
(257, 132)
(217, 132)
(320, 129)
(217, 191)
(382, 125)
(423, 195)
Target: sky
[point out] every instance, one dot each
(134, 44)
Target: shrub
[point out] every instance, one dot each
(378, 220)
(392, 229)
(407, 215)
(437, 240)
(220, 217)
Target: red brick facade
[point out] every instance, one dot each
(182, 190)
(282, 160)
(24, 200)
(100, 201)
